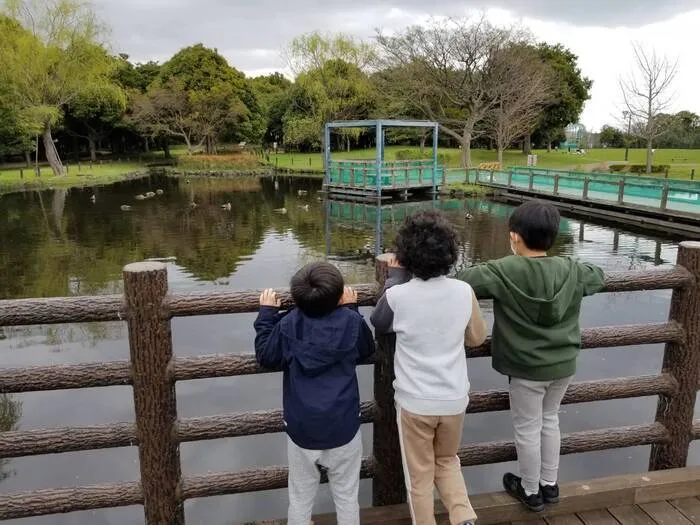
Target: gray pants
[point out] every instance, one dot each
(534, 406)
(343, 466)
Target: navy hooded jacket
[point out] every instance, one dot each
(318, 356)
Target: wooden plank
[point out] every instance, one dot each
(664, 513)
(571, 519)
(631, 515)
(530, 522)
(689, 507)
(598, 517)
(576, 498)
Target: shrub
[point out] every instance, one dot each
(616, 168)
(410, 154)
(642, 168)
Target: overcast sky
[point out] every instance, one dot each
(251, 33)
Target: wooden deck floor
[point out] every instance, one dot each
(668, 497)
(673, 512)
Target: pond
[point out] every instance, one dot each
(62, 243)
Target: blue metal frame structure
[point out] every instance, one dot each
(380, 126)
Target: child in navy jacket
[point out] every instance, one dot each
(318, 345)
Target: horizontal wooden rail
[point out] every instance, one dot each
(246, 424)
(116, 373)
(574, 443)
(57, 501)
(52, 501)
(215, 303)
(254, 480)
(58, 310)
(64, 377)
(584, 392)
(59, 440)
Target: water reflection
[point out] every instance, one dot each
(63, 243)
(10, 415)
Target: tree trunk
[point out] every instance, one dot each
(347, 144)
(146, 147)
(500, 155)
(93, 149)
(58, 205)
(423, 138)
(650, 155)
(189, 145)
(28, 159)
(166, 149)
(549, 146)
(51, 152)
(467, 150)
(527, 144)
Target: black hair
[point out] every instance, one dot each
(317, 288)
(537, 223)
(426, 244)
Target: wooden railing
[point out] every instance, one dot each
(631, 192)
(152, 371)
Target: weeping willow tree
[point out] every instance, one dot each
(50, 51)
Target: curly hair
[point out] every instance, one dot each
(426, 245)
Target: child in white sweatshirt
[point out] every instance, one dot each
(432, 316)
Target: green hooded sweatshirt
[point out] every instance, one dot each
(537, 301)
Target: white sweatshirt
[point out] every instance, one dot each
(430, 319)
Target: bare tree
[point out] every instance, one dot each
(647, 95)
(439, 71)
(522, 85)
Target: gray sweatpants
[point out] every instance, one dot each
(343, 466)
(534, 406)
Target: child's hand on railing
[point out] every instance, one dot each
(393, 262)
(349, 296)
(269, 298)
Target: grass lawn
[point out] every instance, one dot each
(681, 161)
(107, 173)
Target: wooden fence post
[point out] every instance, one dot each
(556, 185)
(621, 191)
(682, 361)
(510, 178)
(531, 181)
(586, 184)
(664, 197)
(151, 350)
(388, 486)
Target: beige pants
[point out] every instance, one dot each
(429, 447)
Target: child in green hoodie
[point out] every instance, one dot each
(536, 340)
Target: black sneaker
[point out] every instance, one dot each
(550, 493)
(514, 487)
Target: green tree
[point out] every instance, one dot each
(331, 83)
(136, 77)
(442, 72)
(164, 112)
(569, 92)
(272, 94)
(220, 100)
(611, 137)
(95, 112)
(49, 62)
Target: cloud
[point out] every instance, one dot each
(252, 34)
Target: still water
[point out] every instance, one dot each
(62, 243)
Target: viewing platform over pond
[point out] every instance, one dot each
(379, 178)
(152, 371)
